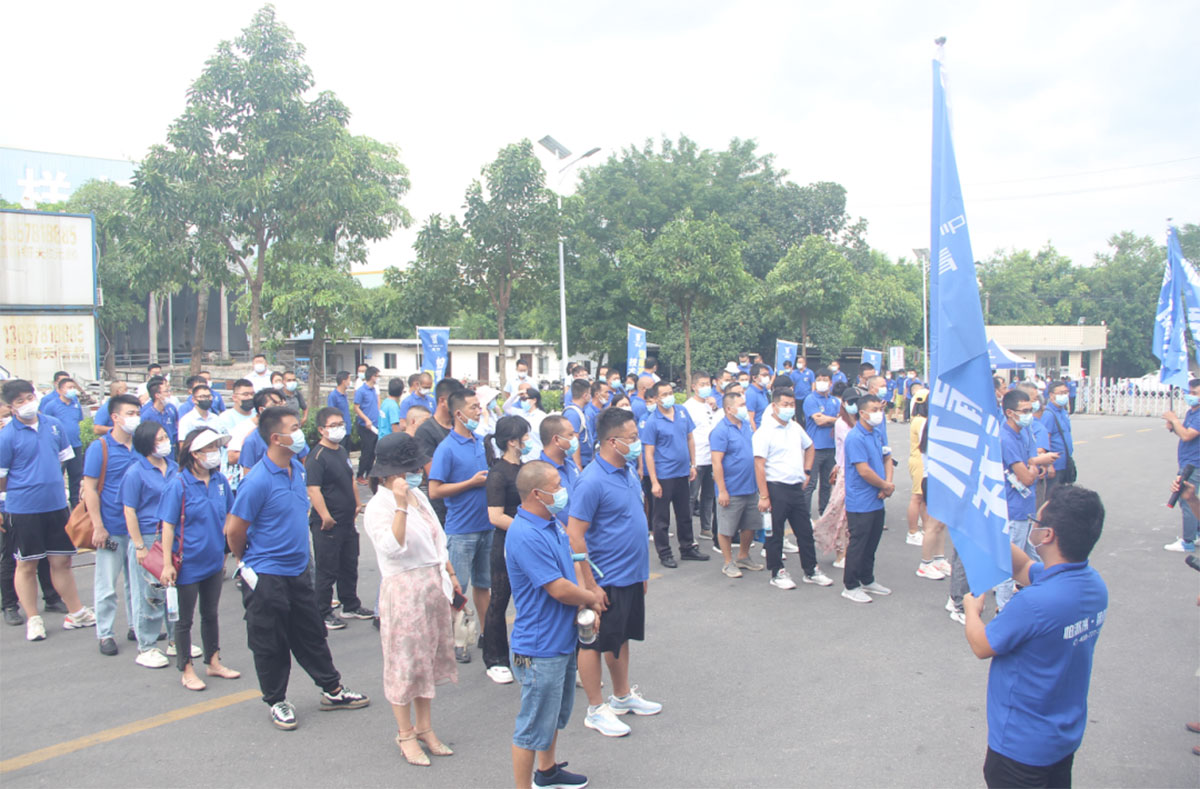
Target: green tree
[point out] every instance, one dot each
(1123, 290)
(813, 279)
(692, 263)
(1021, 288)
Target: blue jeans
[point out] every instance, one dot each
(1018, 535)
(547, 698)
(109, 565)
(471, 558)
(149, 599)
(1190, 524)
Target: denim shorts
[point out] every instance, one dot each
(471, 558)
(547, 697)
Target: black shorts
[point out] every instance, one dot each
(38, 534)
(925, 488)
(625, 619)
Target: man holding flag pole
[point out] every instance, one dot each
(1041, 645)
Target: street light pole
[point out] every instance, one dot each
(923, 259)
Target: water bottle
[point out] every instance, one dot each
(172, 604)
(1017, 486)
(585, 620)
(768, 528)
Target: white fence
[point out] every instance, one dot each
(1124, 397)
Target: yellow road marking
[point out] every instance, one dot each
(1145, 429)
(655, 576)
(1115, 435)
(1077, 443)
(108, 735)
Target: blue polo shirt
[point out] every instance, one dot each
(669, 437)
(744, 368)
(168, 418)
(1058, 425)
(1016, 446)
(1044, 640)
(802, 382)
(891, 389)
(757, 401)
(339, 401)
(204, 511)
(411, 399)
(32, 459)
(578, 420)
(276, 507)
(142, 490)
(590, 414)
(254, 449)
(863, 447)
(70, 414)
(1189, 451)
(609, 499)
(457, 459)
(638, 405)
(366, 398)
(820, 404)
(567, 474)
(537, 552)
(737, 464)
(389, 414)
(102, 417)
(1072, 388)
(837, 376)
(120, 459)
(1041, 438)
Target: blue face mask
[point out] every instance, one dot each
(414, 480)
(634, 450)
(526, 448)
(786, 414)
(743, 413)
(526, 405)
(851, 408)
(704, 392)
(72, 394)
(560, 501)
(1025, 420)
(471, 424)
(1192, 400)
(1061, 399)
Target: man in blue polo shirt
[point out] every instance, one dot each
(608, 523)
(458, 474)
(820, 415)
(547, 596)
(671, 467)
(366, 408)
(836, 375)
(341, 401)
(110, 535)
(1042, 646)
(758, 396)
(731, 443)
(573, 411)
(101, 421)
(802, 379)
(600, 393)
(1187, 453)
(1057, 420)
(868, 483)
(32, 450)
(743, 362)
(64, 406)
(1017, 452)
(559, 444)
(419, 386)
(160, 409)
(268, 531)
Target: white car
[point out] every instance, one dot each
(1148, 384)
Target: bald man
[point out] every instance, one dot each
(102, 421)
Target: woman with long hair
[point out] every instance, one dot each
(831, 532)
(415, 594)
(934, 566)
(193, 507)
(510, 444)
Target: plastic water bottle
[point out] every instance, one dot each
(768, 528)
(172, 604)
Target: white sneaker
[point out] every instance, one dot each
(789, 546)
(839, 564)
(950, 605)
(633, 703)
(819, 578)
(857, 595)
(915, 538)
(959, 616)
(83, 618)
(35, 629)
(943, 567)
(152, 658)
(196, 651)
(579, 680)
(876, 588)
(731, 571)
(1179, 546)
(501, 675)
(603, 720)
(783, 580)
(930, 571)
(717, 549)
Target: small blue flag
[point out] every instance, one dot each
(635, 361)
(435, 350)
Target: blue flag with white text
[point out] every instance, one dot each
(785, 352)
(963, 463)
(1185, 273)
(1168, 343)
(635, 354)
(435, 350)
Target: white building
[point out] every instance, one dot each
(477, 360)
(1077, 351)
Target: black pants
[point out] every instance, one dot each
(366, 450)
(999, 772)
(823, 463)
(674, 492)
(8, 571)
(865, 530)
(74, 469)
(704, 493)
(336, 555)
(495, 623)
(281, 621)
(208, 591)
(789, 504)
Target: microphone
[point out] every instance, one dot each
(1184, 476)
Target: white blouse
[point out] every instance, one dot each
(840, 431)
(424, 541)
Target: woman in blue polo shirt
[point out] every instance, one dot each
(197, 505)
(141, 489)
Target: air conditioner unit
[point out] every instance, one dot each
(509, 352)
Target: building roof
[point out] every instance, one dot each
(1050, 338)
(415, 341)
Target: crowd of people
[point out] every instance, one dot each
(479, 498)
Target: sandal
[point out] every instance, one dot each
(224, 672)
(437, 747)
(423, 760)
(193, 684)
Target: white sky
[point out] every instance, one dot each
(1066, 113)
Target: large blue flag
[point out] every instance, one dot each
(1168, 344)
(635, 350)
(963, 463)
(785, 352)
(435, 350)
(1186, 274)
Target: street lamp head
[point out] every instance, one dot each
(589, 153)
(554, 146)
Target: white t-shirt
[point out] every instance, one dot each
(260, 381)
(705, 419)
(783, 446)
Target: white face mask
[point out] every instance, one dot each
(131, 423)
(260, 368)
(28, 410)
(822, 386)
(875, 418)
(336, 434)
(163, 449)
(297, 444)
(210, 460)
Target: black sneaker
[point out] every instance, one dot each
(131, 635)
(57, 607)
(693, 554)
(668, 561)
(108, 647)
(357, 613)
(462, 654)
(344, 699)
(559, 778)
(14, 617)
(334, 622)
(376, 623)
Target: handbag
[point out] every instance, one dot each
(79, 525)
(153, 562)
(1069, 474)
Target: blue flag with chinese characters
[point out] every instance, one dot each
(635, 351)
(963, 463)
(1169, 344)
(785, 352)
(435, 350)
